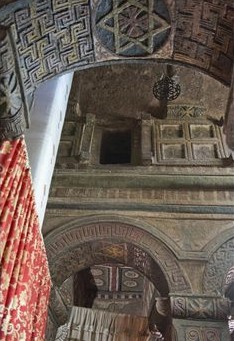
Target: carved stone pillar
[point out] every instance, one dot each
(146, 139)
(13, 108)
(200, 318)
(86, 140)
(58, 309)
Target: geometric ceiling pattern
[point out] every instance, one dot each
(51, 37)
(132, 28)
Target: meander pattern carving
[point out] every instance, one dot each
(72, 239)
(52, 37)
(217, 268)
(204, 35)
(55, 36)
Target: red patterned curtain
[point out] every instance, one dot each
(24, 274)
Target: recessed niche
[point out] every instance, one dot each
(201, 131)
(173, 151)
(205, 151)
(171, 131)
(116, 147)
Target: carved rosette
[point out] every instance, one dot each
(200, 307)
(12, 122)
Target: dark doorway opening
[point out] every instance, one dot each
(116, 147)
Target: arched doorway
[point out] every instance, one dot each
(80, 246)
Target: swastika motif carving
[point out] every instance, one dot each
(52, 37)
(67, 244)
(132, 28)
(217, 268)
(204, 35)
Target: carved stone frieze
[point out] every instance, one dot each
(53, 36)
(199, 307)
(185, 111)
(68, 242)
(189, 330)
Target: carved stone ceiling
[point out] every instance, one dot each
(51, 37)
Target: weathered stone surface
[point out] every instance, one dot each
(200, 330)
(199, 307)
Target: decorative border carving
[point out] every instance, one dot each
(201, 330)
(71, 238)
(52, 37)
(217, 268)
(199, 307)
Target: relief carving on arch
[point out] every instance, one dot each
(53, 37)
(67, 246)
(217, 268)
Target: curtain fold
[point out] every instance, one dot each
(98, 325)
(24, 274)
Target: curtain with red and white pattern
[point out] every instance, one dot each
(24, 274)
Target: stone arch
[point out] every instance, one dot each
(53, 37)
(217, 268)
(87, 242)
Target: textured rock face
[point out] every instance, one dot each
(127, 90)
